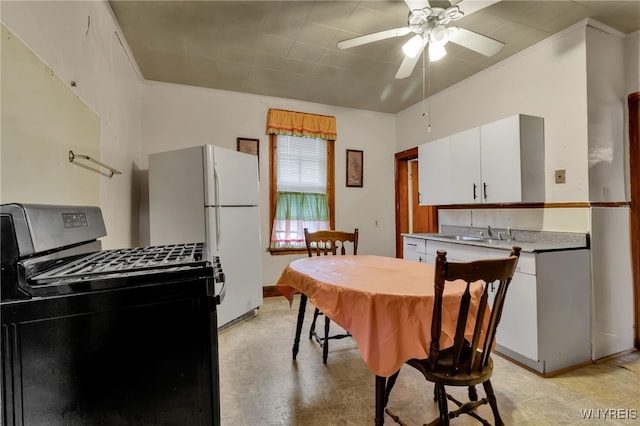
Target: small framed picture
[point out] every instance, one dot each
(354, 168)
(249, 146)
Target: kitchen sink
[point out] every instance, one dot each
(482, 239)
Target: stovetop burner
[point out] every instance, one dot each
(125, 260)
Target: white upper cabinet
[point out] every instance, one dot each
(512, 160)
(464, 152)
(434, 172)
(500, 162)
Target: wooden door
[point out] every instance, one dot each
(424, 217)
(410, 217)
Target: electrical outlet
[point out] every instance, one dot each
(561, 176)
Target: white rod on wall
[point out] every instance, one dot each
(110, 170)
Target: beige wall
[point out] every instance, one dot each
(37, 136)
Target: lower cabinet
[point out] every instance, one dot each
(545, 323)
(414, 249)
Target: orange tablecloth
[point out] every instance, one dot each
(385, 303)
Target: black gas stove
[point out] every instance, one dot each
(91, 336)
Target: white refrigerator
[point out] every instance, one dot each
(210, 194)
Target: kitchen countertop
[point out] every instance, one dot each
(529, 241)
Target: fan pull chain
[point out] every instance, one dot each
(425, 113)
(423, 78)
(429, 127)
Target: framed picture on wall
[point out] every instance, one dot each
(354, 168)
(249, 146)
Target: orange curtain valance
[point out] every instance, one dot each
(281, 122)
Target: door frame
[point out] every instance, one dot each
(633, 101)
(402, 197)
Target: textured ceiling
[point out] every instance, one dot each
(288, 49)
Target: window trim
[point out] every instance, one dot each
(273, 142)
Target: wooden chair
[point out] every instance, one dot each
(323, 243)
(466, 363)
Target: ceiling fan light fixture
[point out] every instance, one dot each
(413, 46)
(439, 35)
(436, 51)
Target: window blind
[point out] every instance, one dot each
(302, 164)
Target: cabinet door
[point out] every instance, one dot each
(518, 328)
(500, 161)
(414, 257)
(434, 171)
(465, 181)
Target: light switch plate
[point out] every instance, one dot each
(561, 176)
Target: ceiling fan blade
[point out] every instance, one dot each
(417, 4)
(369, 38)
(472, 6)
(408, 64)
(476, 42)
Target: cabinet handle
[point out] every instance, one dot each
(484, 189)
(475, 196)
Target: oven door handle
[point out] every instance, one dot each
(223, 291)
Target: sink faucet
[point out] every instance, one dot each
(509, 235)
(489, 232)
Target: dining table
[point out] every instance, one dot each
(385, 303)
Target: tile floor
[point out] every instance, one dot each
(261, 385)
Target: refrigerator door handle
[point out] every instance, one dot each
(217, 207)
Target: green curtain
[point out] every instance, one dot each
(294, 212)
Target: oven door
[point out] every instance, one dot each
(112, 357)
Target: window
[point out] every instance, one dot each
(302, 194)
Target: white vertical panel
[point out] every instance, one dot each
(611, 282)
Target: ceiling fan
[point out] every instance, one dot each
(429, 23)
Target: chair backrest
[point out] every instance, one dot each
(330, 242)
(495, 276)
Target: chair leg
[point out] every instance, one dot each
(443, 408)
(391, 381)
(473, 394)
(312, 330)
(325, 342)
(493, 402)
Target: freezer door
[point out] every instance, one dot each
(176, 196)
(233, 178)
(238, 246)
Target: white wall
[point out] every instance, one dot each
(547, 80)
(178, 116)
(78, 41)
(576, 81)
